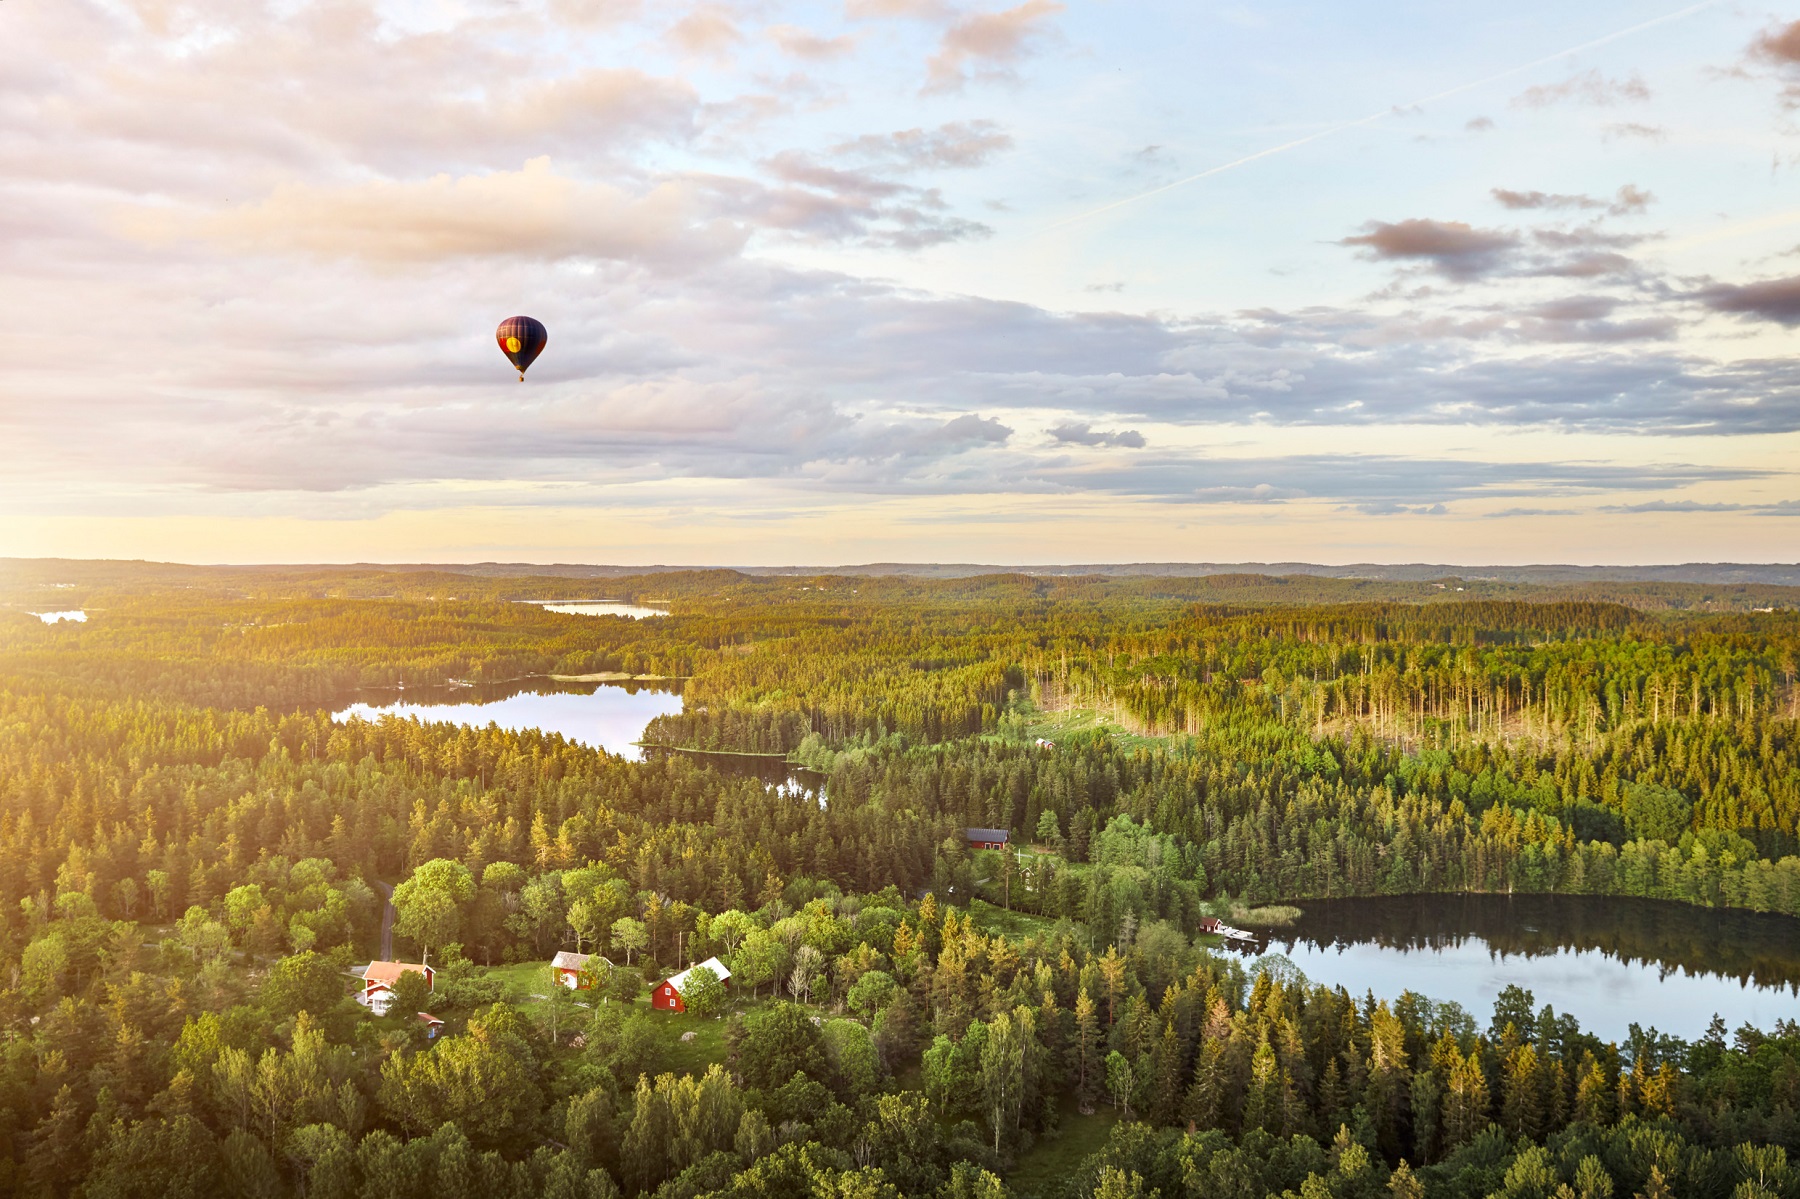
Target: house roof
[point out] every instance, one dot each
(987, 834)
(387, 972)
(714, 964)
(564, 960)
(428, 1018)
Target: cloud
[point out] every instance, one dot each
(1517, 200)
(1370, 483)
(1652, 133)
(1676, 506)
(987, 45)
(595, 12)
(1463, 253)
(1480, 125)
(708, 30)
(1452, 248)
(1080, 433)
(1394, 508)
(1261, 493)
(1576, 308)
(1780, 45)
(1775, 300)
(957, 145)
(920, 10)
(803, 43)
(533, 213)
(1630, 199)
(827, 203)
(1587, 87)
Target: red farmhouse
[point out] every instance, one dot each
(987, 838)
(667, 996)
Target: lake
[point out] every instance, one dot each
(75, 615)
(608, 716)
(1608, 962)
(598, 608)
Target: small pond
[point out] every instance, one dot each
(75, 615)
(608, 716)
(777, 772)
(599, 608)
(1608, 962)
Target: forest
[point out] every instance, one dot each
(195, 857)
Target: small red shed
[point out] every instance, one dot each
(987, 838)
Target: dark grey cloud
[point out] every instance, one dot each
(1775, 300)
(1081, 433)
(1452, 248)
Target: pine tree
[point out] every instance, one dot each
(1593, 1093)
(1087, 1065)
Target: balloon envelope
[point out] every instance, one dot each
(521, 339)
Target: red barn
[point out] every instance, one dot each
(667, 996)
(987, 838)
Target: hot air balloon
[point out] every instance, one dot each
(521, 339)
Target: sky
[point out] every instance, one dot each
(900, 280)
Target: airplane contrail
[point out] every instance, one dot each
(1333, 130)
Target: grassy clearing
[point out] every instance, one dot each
(1053, 1160)
(707, 1047)
(1070, 722)
(523, 980)
(1014, 926)
(1272, 916)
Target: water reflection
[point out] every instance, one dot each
(786, 779)
(599, 608)
(1609, 962)
(608, 716)
(74, 615)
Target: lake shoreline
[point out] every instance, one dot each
(1609, 960)
(613, 676)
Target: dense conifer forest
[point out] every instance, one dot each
(194, 855)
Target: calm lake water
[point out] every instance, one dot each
(1608, 962)
(600, 608)
(76, 615)
(608, 716)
